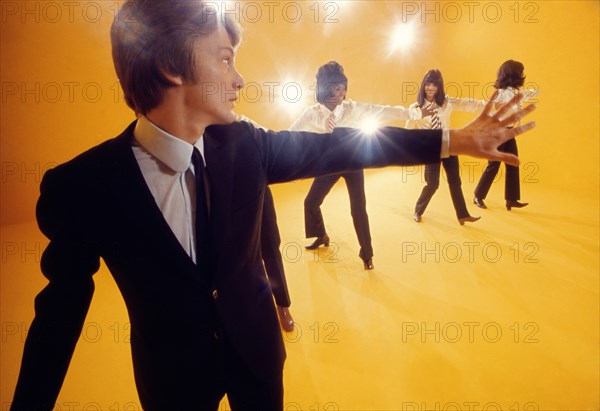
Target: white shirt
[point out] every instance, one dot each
(350, 114)
(506, 94)
(450, 104)
(165, 161)
(353, 114)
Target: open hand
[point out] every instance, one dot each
(483, 135)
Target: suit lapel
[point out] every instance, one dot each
(138, 205)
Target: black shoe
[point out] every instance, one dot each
(514, 203)
(417, 217)
(368, 264)
(469, 219)
(318, 242)
(479, 202)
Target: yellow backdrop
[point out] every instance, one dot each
(60, 96)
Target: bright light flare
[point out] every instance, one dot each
(292, 95)
(403, 37)
(369, 126)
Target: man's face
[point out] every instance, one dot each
(337, 94)
(212, 96)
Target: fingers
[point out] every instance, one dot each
(510, 133)
(524, 128)
(494, 98)
(508, 106)
(515, 116)
(528, 109)
(507, 158)
(490, 105)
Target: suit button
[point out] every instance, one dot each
(215, 294)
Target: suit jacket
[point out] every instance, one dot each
(99, 206)
(270, 244)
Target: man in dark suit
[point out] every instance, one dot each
(182, 256)
(270, 243)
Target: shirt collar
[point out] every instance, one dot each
(431, 104)
(336, 111)
(170, 150)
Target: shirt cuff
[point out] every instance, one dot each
(445, 143)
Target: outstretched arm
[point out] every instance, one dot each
(289, 156)
(467, 104)
(384, 113)
(60, 309)
(482, 136)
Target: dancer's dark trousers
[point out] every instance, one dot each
(512, 189)
(432, 179)
(313, 218)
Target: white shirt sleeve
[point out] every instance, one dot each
(529, 94)
(466, 104)
(419, 122)
(304, 122)
(382, 112)
(506, 94)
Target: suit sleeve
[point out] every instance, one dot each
(289, 155)
(270, 241)
(60, 309)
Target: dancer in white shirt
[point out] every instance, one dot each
(432, 97)
(509, 80)
(333, 110)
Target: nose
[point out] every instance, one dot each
(238, 82)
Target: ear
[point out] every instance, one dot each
(174, 79)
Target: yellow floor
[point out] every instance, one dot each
(502, 314)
